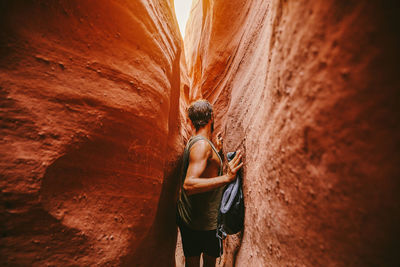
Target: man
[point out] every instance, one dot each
(201, 188)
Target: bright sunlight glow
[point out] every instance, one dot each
(182, 10)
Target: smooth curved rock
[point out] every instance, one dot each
(308, 90)
(90, 132)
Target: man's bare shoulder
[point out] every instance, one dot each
(200, 150)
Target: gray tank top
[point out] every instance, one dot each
(198, 211)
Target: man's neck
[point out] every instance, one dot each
(205, 131)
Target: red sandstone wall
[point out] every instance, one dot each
(90, 132)
(309, 91)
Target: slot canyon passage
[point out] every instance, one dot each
(93, 125)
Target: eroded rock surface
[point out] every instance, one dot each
(90, 132)
(308, 90)
(93, 95)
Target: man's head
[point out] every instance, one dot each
(201, 113)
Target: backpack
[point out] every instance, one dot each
(231, 211)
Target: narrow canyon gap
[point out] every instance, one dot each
(93, 123)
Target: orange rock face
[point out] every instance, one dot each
(308, 90)
(90, 132)
(92, 119)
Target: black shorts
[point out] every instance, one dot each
(195, 242)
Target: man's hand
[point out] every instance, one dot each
(219, 142)
(234, 165)
(199, 155)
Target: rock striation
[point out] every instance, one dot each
(93, 97)
(308, 90)
(90, 132)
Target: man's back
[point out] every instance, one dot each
(200, 211)
(212, 168)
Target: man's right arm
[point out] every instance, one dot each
(194, 183)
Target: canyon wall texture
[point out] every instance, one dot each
(90, 132)
(308, 90)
